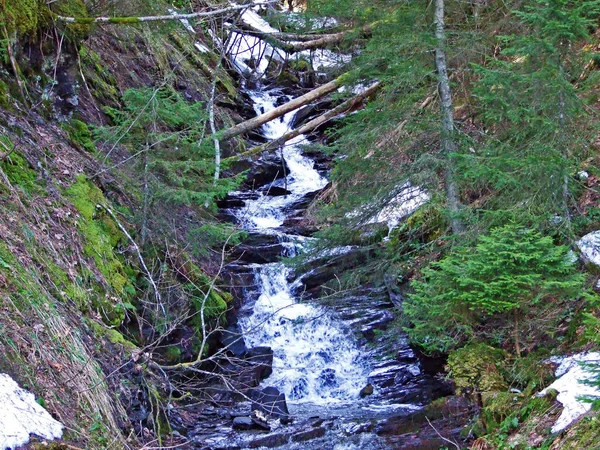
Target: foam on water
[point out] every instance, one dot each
(315, 359)
(268, 212)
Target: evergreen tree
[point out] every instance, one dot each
(509, 274)
(530, 102)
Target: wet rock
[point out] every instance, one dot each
(232, 339)
(260, 420)
(310, 112)
(261, 359)
(367, 390)
(242, 423)
(271, 402)
(308, 435)
(311, 283)
(266, 169)
(258, 249)
(276, 191)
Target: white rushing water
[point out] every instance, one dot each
(315, 359)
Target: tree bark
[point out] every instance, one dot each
(447, 141)
(256, 122)
(311, 125)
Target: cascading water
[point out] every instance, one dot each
(317, 362)
(315, 358)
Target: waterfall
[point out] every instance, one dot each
(316, 359)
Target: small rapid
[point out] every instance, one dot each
(316, 359)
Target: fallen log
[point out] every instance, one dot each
(309, 126)
(256, 122)
(139, 19)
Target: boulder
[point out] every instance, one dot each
(258, 248)
(275, 191)
(232, 338)
(242, 423)
(268, 168)
(261, 359)
(367, 390)
(270, 402)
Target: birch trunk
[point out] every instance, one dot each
(447, 141)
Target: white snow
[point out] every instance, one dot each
(405, 202)
(21, 415)
(573, 372)
(590, 247)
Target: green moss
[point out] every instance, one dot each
(74, 8)
(172, 354)
(300, 65)
(20, 173)
(477, 368)
(102, 83)
(287, 79)
(80, 135)
(4, 95)
(111, 335)
(101, 235)
(21, 16)
(124, 20)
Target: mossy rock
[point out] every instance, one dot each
(300, 65)
(101, 236)
(74, 8)
(478, 368)
(112, 335)
(22, 16)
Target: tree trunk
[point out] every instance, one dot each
(447, 141)
(137, 19)
(256, 122)
(517, 343)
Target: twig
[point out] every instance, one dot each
(442, 437)
(139, 253)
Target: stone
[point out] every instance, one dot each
(261, 360)
(265, 170)
(275, 191)
(367, 390)
(271, 402)
(590, 247)
(242, 423)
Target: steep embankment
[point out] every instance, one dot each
(75, 294)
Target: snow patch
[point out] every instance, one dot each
(21, 415)
(407, 200)
(590, 247)
(574, 373)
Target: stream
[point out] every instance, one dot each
(345, 387)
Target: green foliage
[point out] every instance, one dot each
(166, 131)
(526, 95)
(211, 235)
(511, 270)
